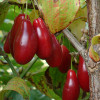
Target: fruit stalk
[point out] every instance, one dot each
(29, 67)
(29, 6)
(9, 62)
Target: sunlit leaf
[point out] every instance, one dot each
(58, 14)
(3, 63)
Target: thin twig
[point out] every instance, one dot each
(9, 62)
(29, 67)
(75, 43)
(73, 40)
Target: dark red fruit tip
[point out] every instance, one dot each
(6, 44)
(66, 60)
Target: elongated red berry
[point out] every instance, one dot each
(14, 30)
(55, 59)
(71, 88)
(66, 60)
(83, 76)
(25, 42)
(44, 39)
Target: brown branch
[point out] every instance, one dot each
(93, 17)
(29, 6)
(73, 40)
(75, 43)
(94, 29)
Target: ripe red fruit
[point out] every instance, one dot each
(71, 88)
(55, 59)
(6, 44)
(25, 43)
(14, 29)
(83, 76)
(44, 39)
(66, 60)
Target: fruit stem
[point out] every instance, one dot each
(36, 16)
(29, 67)
(23, 9)
(71, 63)
(9, 62)
(26, 10)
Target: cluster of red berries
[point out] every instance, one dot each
(73, 82)
(26, 39)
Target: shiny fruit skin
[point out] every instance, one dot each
(55, 59)
(66, 60)
(71, 88)
(44, 39)
(83, 76)
(6, 44)
(25, 43)
(14, 30)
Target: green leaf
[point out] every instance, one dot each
(13, 12)
(92, 53)
(40, 81)
(16, 84)
(4, 7)
(37, 95)
(15, 96)
(58, 14)
(67, 43)
(34, 95)
(58, 80)
(6, 27)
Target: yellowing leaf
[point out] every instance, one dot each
(92, 53)
(16, 84)
(82, 12)
(79, 21)
(76, 27)
(58, 14)
(34, 15)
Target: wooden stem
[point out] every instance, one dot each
(94, 29)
